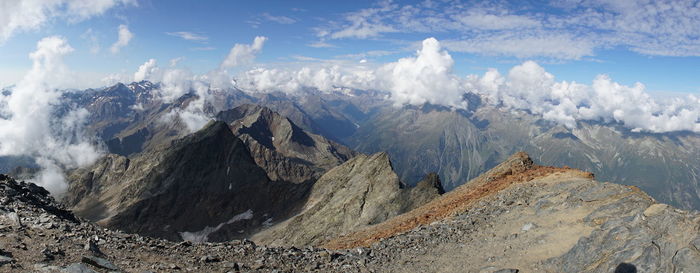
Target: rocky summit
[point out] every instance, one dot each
(517, 217)
(279, 146)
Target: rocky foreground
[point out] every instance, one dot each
(518, 217)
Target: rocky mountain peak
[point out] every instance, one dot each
(282, 148)
(431, 181)
(361, 192)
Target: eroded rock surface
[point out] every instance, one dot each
(363, 191)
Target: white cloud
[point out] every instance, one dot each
(278, 19)
(175, 61)
(174, 83)
(559, 30)
(34, 127)
(146, 70)
(525, 45)
(483, 20)
(114, 78)
(528, 86)
(242, 54)
(23, 15)
(427, 77)
(190, 36)
(124, 37)
(321, 44)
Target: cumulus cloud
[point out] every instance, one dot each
(145, 71)
(114, 78)
(427, 77)
(124, 37)
(33, 125)
(175, 83)
(242, 54)
(528, 86)
(21, 15)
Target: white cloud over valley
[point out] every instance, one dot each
(427, 77)
(33, 124)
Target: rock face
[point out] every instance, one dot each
(361, 192)
(285, 151)
(518, 217)
(52, 239)
(536, 219)
(463, 144)
(205, 186)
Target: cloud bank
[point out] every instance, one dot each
(176, 82)
(32, 123)
(528, 86)
(427, 77)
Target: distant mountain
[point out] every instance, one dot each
(462, 144)
(257, 167)
(457, 144)
(279, 146)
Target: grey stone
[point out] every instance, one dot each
(508, 270)
(99, 262)
(14, 218)
(6, 260)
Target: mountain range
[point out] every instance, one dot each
(359, 183)
(457, 144)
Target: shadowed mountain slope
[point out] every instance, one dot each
(204, 186)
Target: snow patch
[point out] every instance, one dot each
(203, 235)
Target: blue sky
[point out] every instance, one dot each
(650, 43)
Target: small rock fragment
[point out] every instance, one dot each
(99, 263)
